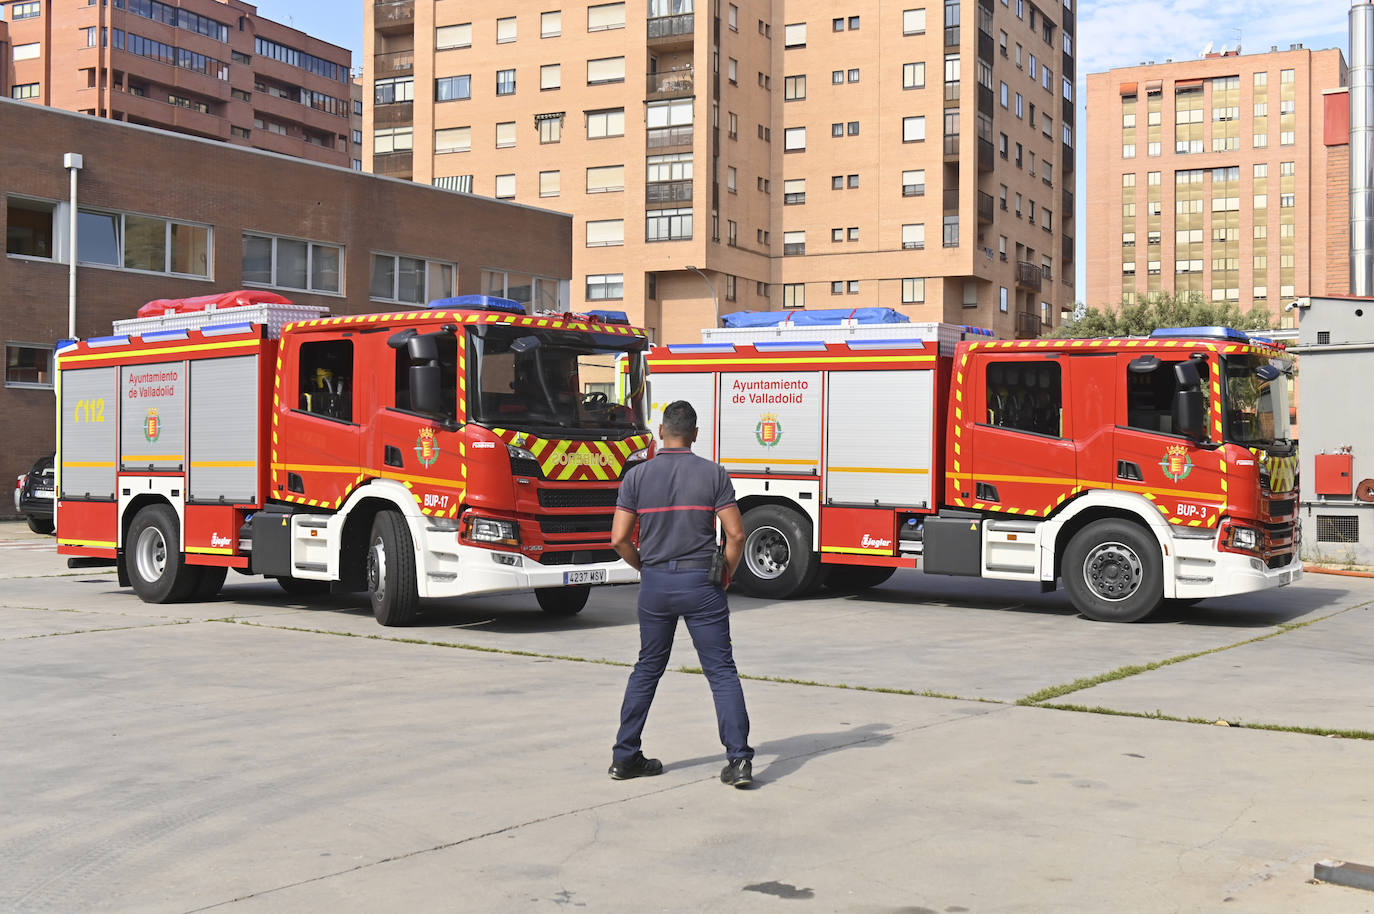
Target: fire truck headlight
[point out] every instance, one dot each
(1245, 538)
(641, 454)
(519, 453)
(490, 530)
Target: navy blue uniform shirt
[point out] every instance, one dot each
(676, 496)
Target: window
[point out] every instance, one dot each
(837, 129)
(390, 91)
(605, 286)
(837, 182)
(550, 127)
(1026, 396)
(733, 18)
(732, 71)
(1150, 396)
(1018, 104)
(605, 233)
(505, 134)
(951, 236)
(731, 233)
(853, 233)
(794, 139)
(30, 51)
(605, 70)
(452, 88)
(505, 187)
(913, 290)
(29, 10)
(26, 90)
(550, 76)
(914, 236)
(453, 36)
(549, 183)
(914, 75)
(551, 24)
(853, 23)
(1005, 94)
(794, 35)
(913, 129)
(836, 77)
(605, 16)
(356, 137)
(414, 280)
(1003, 299)
(793, 88)
(452, 139)
(29, 227)
(605, 123)
(732, 125)
(668, 224)
(731, 179)
(603, 179)
(291, 263)
(914, 182)
(913, 22)
(852, 182)
(146, 243)
(852, 128)
(836, 235)
(793, 191)
(793, 243)
(793, 295)
(505, 30)
(28, 364)
(505, 82)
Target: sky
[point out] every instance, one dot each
(1111, 33)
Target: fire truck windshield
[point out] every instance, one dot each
(526, 378)
(1256, 405)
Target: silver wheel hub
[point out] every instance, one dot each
(767, 553)
(1113, 571)
(376, 568)
(150, 554)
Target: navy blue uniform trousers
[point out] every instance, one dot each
(664, 596)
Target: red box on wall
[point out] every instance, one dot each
(1333, 474)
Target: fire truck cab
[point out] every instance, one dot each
(437, 453)
(1135, 470)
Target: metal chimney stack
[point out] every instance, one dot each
(1362, 148)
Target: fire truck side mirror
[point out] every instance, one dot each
(426, 395)
(1190, 404)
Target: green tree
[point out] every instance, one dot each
(1162, 310)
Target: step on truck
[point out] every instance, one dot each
(443, 452)
(1135, 471)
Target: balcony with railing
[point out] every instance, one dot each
(671, 84)
(667, 192)
(1028, 276)
(1068, 248)
(951, 92)
(985, 100)
(393, 164)
(1028, 325)
(1067, 159)
(984, 154)
(951, 147)
(393, 15)
(669, 137)
(1068, 204)
(667, 32)
(393, 63)
(984, 207)
(394, 115)
(951, 197)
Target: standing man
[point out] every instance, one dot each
(676, 498)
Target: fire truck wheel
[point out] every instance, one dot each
(778, 562)
(301, 587)
(1112, 570)
(390, 570)
(856, 577)
(562, 601)
(211, 580)
(157, 569)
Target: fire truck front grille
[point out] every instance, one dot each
(1278, 561)
(577, 498)
(1281, 507)
(597, 523)
(578, 557)
(522, 466)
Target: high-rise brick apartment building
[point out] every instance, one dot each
(209, 68)
(785, 153)
(1210, 178)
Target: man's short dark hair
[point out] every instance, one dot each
(679, 419)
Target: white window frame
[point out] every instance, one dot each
(310, 247)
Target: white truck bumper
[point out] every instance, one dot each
(1200, 571)
(451, 569)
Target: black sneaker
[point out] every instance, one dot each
(636, 766)
(738, 773)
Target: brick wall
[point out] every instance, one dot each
(140, 170)
(1337, 221)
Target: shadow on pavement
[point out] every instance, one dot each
(792, 752)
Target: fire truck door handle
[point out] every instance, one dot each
(392, 457)
(1126, 469)
(986, 492)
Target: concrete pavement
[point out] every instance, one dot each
(248, 754)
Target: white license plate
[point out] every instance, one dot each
(1286, 578)
(593, 576)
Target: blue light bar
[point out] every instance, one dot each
(108, 341)
(701, 347)
(222, 329)
(482, 302)
(1203, 333)
(886, 344)
(608, 317)
(980, 331)
(778, 345)
(164, 335)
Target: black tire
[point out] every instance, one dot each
(851, 578)
(211, 580)
(157, 567)
(302, 587)
(391, 570)
(41, 525)
(562, 601)
(778, 562)
(1113, 571)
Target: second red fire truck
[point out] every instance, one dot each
(439, 452)
(1138, 471)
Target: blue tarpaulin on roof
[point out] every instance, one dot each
(829, 316)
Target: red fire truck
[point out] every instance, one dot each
(1137, 470)
(444, 452)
